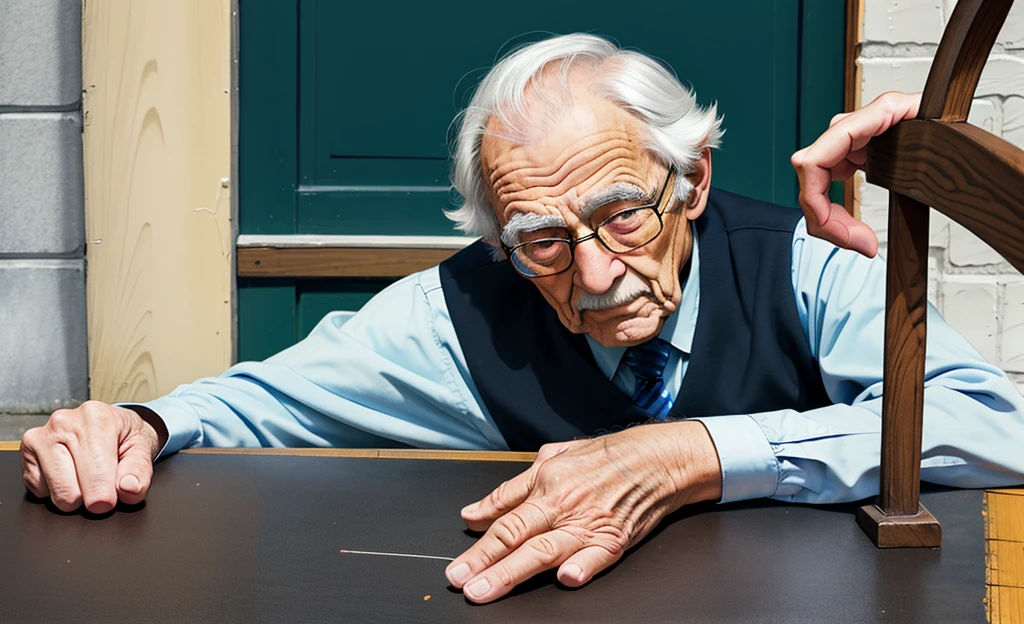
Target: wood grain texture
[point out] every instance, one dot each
(966, 173)
(966, 42)
(1004, 555)
(157, 146)
(851, 88)
(336, 261)
(921, 530)
(905, 334)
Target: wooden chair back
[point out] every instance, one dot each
(975, 178)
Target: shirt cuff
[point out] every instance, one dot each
(749, 467)
(183, 425)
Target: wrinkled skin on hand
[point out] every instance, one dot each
(94, 455)
(582, 504)
(838, 154)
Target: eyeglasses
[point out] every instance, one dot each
(624, 231)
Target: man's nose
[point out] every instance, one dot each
(596, 267)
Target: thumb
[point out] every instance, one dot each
(509, 494)
(134, 472)
(503, 499)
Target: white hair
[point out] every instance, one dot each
(678, 128)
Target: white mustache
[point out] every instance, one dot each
(628, 288)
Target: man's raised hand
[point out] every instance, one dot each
(837, 155)
(582, 504)
(94, 455)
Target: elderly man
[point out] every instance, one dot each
(613, 287)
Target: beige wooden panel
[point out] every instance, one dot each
(157, 147)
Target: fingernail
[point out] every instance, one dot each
(131, 484)
(479, 588)
(460, 574)
(573, 571)
(468, 509)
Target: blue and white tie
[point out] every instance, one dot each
(647, 362)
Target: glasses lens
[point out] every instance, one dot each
(629, 229)
(542, 257)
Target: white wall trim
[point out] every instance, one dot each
(287, 241)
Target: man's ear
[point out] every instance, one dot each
(700, 178)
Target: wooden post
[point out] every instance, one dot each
(899, 519)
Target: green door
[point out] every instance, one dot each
(344, 111)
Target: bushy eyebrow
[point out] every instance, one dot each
(620, 191)
(528, 222)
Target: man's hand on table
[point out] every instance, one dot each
(94, 455)
(838, 154)
(582, 504)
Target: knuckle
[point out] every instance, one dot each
(504, 577)
(62, 420)
(65, 499)
(94, 410)
(554, 473)
(510, 530)
(31, 439)
(487, 558)
(499, 496)
(545, 550)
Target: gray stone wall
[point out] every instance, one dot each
(43, 360)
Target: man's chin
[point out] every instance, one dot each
(622, 330)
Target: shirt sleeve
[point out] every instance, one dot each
(973, 414)
(392, 374)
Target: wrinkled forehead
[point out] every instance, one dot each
(593, 145)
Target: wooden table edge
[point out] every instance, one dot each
(496, 456)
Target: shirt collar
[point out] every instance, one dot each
(678, 328)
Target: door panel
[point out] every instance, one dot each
(345, 108)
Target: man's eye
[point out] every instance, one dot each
(535, 235)
(545, 252)
(625, 220)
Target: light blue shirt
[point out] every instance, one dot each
(395, 373)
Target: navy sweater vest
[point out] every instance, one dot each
(540, 382)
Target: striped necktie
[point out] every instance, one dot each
(647, 362)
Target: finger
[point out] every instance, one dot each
(506, 534)
(582, 566)
(858, 157)
(843, 170)
(507, 496)
(58, 469)
(134, 474)
(843, 230)
(837, 118)
(95, 457)
(31, 472)
(539, 553)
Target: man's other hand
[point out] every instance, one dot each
(837, 155)
(94, 455)
(582, 504)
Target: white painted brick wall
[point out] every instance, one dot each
(1012, 332)
(977, 292)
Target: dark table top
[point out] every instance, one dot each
(256, 538)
